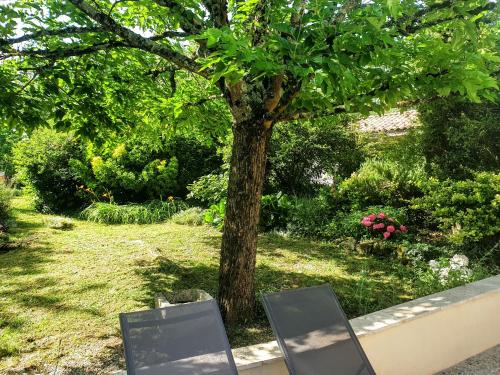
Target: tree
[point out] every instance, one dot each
(270, 61)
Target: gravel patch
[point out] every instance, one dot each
(485, 363)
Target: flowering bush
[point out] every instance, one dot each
(382, 225)
(451, 271)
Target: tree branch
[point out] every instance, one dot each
(62, 53)
(416, 20)
(258, 21)
(169, 34)
(416, 26)
(218, 12)
(189, 22)
(419, 14)
(70, 30)
(137, 41)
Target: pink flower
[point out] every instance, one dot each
(366, 222)
(379, 226)
(372, 217)
(403, 228)
(381, 215)
(390, 228)
(387, 235)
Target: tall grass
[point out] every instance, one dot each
(152, 212)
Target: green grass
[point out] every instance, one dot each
(148, 213)
(61, 291)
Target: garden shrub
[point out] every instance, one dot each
(348, 224)
(459, 138)
(469, 210)
(302, 152)
(139, 170)
(131, 173)
(381, 225)
(61, 223)
(275, 212)
(209, 189)
(195, 159)
(308, 217)
(415, 253)
(148, 213)
(8, 138)
(381, 182)
(5, 197)
(44, 163)
(191, 216)
(447, 272)
(214, 215)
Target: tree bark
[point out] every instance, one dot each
(239, 240)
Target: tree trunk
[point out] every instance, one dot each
(239, 240)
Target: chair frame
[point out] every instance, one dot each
(281, 341)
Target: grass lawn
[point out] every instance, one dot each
(61, 291)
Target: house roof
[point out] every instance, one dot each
(392, 123)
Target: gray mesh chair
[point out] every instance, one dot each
(177, 340)
(314, 333)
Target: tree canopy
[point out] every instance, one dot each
(66, 59)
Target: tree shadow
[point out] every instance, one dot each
(357, 295)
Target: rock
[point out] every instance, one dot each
(348, 244)
(190, 295)
(366, 246)
(380, 248)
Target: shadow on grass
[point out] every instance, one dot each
(365, 288)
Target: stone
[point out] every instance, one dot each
(189, 295)
(348, 244)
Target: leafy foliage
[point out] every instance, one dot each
(138, 169)
(468, 210)
(381, 182)
(275, 211)
(458, 138)
(132, 176)
(44, 163)
(382, 226)
(190, 216)
(214, 215)
(347, 224)
(8, 137)
(303, 152)
(148, 213)
(209, 189)
(5, 197)
(349, 57)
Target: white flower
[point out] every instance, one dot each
(459, 261)
(443, 275)
(434, 265)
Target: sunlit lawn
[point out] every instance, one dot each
(61, 291)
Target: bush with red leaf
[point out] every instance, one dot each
(381, 225)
